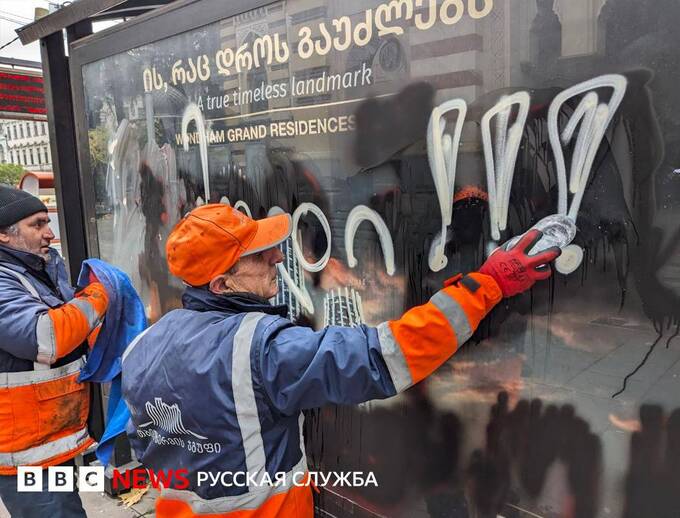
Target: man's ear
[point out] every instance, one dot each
(4, 238)
(217, 285)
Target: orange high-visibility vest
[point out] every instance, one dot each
(287, 501)
(43, 412)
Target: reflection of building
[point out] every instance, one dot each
(448, 57)
(26, 143)
(579, 25)
(454, 59)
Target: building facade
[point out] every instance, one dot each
(25, 143)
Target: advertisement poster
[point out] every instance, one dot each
(408, 139)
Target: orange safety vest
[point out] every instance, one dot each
(289, 501)
(43, 412)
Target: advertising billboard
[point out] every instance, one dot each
(408, 139)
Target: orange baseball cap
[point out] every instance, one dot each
(210, 239)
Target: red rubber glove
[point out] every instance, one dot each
(514, 270)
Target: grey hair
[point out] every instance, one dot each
(11, 230)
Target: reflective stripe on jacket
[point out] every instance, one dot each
(43, 409)
(220, 385)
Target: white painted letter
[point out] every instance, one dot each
(362, 213)
(193, 112)
(303, 209)
(501, 169)
(442, 153)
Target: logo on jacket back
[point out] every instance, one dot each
(167, 418)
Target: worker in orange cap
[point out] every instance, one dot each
(219, 386)
(43, 331)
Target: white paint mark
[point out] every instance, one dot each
(594, 118)
(342, 307)
(275, 211)
(123, 182)
(224, 200)
(570, 260)
(149, 111)
(302, 210)
(296, 286)
(358, 308)
(442, 152)
(301, 294)
(501, 156)
(362, 213)
(240, 204)
(193, 113)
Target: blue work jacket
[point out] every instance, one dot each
(19, 309)
(190, 377)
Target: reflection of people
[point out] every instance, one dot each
(219, 385)
(527, 441)
(43, 327)
(652, 484)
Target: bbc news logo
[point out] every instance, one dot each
(91, 479)
(60, 479)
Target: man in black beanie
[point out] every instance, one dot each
(15, 206)
(44, 329)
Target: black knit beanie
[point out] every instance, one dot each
(16, 205)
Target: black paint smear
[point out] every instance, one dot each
(677, 332)
(383, 127)
(642, 363)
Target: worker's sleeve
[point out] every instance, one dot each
(31, 330)
(428, 335)
(62, 329)
(19, 312)
(301, 368)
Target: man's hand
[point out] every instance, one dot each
(96, 295)
(514, 270)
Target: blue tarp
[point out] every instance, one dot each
(124, 320)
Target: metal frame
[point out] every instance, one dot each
(82, 10)
(64, 17)
(176, 18)
(25, 63)
(63, 147)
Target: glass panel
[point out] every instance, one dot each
(559, 106)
